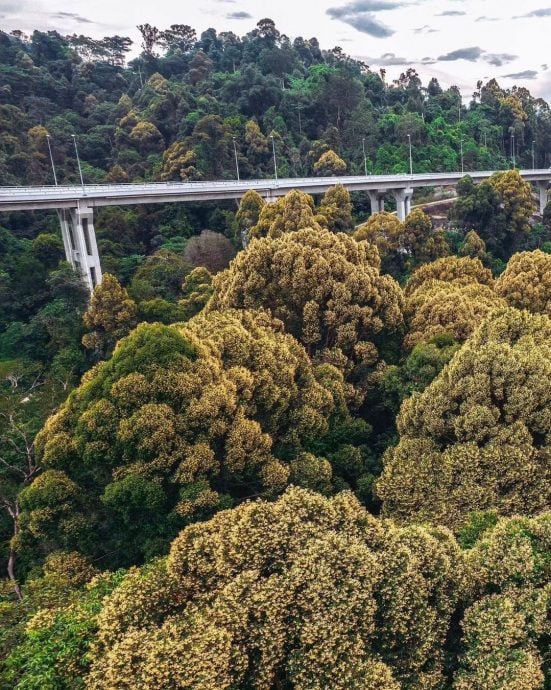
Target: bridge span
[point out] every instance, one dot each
(75, 204)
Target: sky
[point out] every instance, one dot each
(457, 41)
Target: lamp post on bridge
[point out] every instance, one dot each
(236, 159)
(533, 155)
(78, 161)
(462, 159)
(410, 156)
(51, 158)
(275, 159)
(365, 157)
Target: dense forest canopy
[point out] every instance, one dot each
(172, 112)
(282, 446)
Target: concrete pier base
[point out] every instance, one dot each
(79, 240)
(403, 202)
(377, 199)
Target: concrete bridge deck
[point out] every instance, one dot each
(95, 195)
(75, 204)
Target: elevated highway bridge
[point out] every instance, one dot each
(75, 204)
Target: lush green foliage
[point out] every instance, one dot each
(278, 349)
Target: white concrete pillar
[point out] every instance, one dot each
(403, 202)
(408, 204)
(377, 199)
(79, 240)
(542, 188)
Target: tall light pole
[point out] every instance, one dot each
(299, 108)
(365, 157)
(236, 159)
(462, 161)
(410, 156)
(78, 161)
(275, 159)
(51, 158)
(533, 156)
(513, 150)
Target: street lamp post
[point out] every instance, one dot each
(274, 152)
(78, 161)
(236, 159)
(533, 156)
(299, 108)
(513, 150)
(410, 156)
(51, 158)
(462, 160)
(365, 157)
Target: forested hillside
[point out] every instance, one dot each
(285, 446)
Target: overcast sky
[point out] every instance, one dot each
(458, 41)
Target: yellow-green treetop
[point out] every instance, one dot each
(147, 137)
(325, 287)
(179, 163)
(307, 592)
(37, 136)
(384, 230)
(421, 241)
(117, 174)
(473, 246)
(110, 316)
(197, 289)
(402, 246)
(248, 213)
(526, 282)
(289, 213)
(516, 195)
(505, 629)
(439, 307)
(335, 210)
(478, 437)
(451, 269)
(329, 163)
(184, 415)
(257, 143)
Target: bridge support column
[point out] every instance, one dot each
(542, 188)
(377, 200)
(79, 239)
(403, 202)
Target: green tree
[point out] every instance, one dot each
(499, 209)
(181, 421)
(477, 437)
(197, 290)
(329, 163)
(526, 282)
(110, 316)
(270, 585)
(159, 276)
(248, 214)
(327, 290)
(335, 210)
(288, 213)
